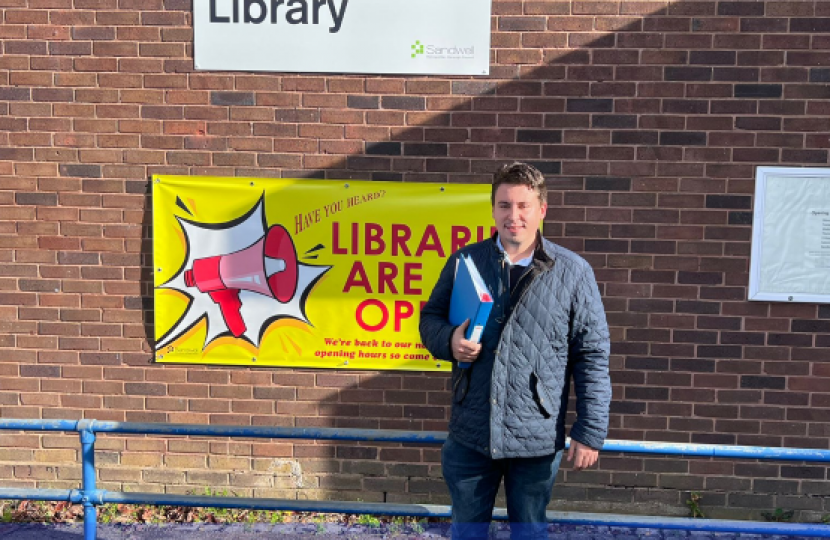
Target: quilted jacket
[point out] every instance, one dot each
(512, 401)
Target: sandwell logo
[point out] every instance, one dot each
(436, 52)
(417, 48)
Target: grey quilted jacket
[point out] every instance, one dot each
(512, 401)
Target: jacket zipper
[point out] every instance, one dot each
(524, 292)
(501, 292)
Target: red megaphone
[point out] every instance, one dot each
(268, 267)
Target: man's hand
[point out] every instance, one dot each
(463, 350)
(585, 455)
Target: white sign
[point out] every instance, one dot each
(441, 37)
(791, 235)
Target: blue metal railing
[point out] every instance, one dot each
(91, 497)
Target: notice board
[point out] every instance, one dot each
(791, 235)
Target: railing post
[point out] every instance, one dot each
(89, 489)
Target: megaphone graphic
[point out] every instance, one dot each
(268, 267)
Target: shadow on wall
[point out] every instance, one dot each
(648, 125)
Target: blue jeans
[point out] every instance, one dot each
(473, 480)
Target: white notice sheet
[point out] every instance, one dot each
(792, 234)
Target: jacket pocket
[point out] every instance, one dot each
(541, 396)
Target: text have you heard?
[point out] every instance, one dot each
(272, 11)
(305, 220)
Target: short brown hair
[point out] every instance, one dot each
(520, 174)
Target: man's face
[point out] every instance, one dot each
(518, 213)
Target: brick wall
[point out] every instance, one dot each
(648, 118)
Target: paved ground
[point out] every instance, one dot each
(308, 531)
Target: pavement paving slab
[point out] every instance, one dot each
(332, 531)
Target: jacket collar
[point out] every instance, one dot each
(543, 257)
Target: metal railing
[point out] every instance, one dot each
(90, 496)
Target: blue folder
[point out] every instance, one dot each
(471, 299)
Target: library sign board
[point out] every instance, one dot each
(303, 273)
(430, 37)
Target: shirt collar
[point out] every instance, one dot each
(523, 262)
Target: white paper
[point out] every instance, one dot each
(794, 236)
(818, 238)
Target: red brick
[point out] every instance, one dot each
(106, 131)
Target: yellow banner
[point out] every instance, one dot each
(303, 273)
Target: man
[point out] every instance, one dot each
(546, 327)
